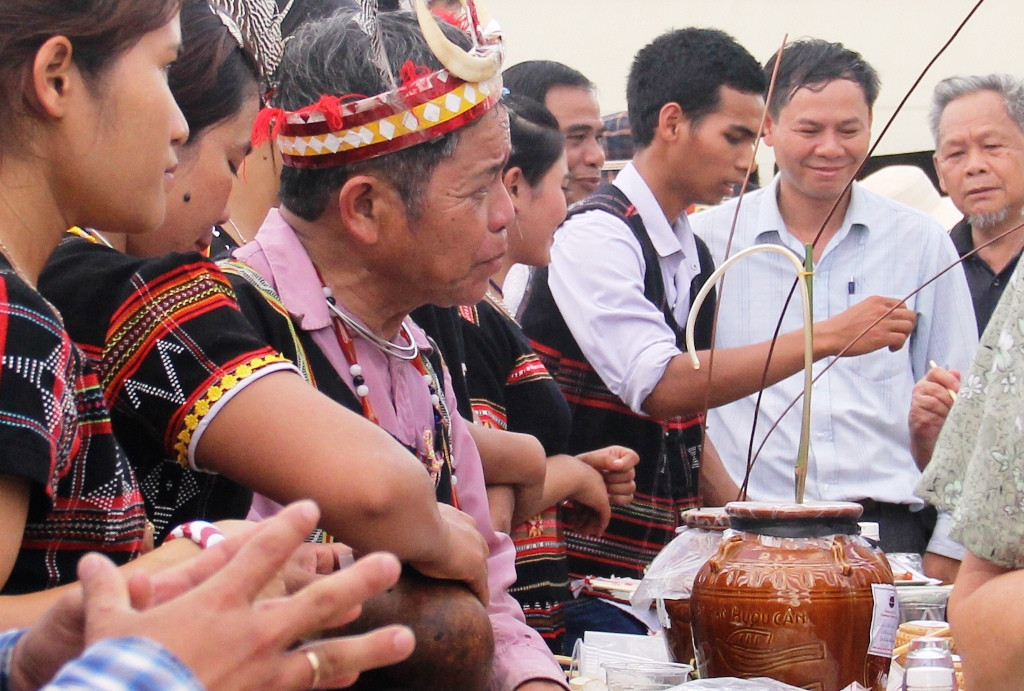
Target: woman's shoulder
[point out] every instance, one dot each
(25, 315)
(94, 270)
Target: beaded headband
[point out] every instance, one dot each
(337, 131)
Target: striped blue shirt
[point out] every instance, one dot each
(116, 664)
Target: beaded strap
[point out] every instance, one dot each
(203, 533)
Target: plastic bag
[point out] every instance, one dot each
(671, 573)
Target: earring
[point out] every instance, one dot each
(518, 228)
(187, 197)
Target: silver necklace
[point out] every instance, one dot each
(500, 304)
(402, 352)
(496, 298)
(241, 237)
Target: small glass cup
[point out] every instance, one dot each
(929, 665)
(645, 676)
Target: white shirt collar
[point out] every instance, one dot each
(667, 237)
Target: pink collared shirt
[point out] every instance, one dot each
(520, 654)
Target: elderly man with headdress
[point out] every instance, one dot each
(393, 143)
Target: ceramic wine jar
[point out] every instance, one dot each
(797, 595)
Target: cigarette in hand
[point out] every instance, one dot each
(952, 394)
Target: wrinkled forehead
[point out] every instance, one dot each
(574, 107)
(484, 145)
(977, 113)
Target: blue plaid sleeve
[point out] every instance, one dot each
(125, 664)
(8, 639)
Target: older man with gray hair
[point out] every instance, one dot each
(978, 125)
(979, 130)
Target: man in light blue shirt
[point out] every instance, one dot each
(819, 125)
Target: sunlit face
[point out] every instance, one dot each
(447, 254)
(579, 118)
(820, 139)
(205, 173)
(980, 158)
(121, 139)
(540, 209)
(714, 153)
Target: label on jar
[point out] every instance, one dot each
(885, 619)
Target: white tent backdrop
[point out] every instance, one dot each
(898, 37)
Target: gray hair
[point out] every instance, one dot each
(953, 88)
(333, 56)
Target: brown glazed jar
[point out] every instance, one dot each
(678, 636)
(795, 594)
(454, 638)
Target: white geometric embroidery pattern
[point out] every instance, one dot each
(175, 394)
(34, 371)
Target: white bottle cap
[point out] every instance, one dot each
(929, 679)
(869, 530)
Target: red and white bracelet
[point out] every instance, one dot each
(203, 533)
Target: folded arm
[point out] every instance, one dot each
(374, 494)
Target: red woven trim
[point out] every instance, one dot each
(341, 112)
(396, 144)
(401, 101)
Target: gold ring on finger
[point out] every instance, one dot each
(314, 662)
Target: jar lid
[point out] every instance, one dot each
(810, 509)
(811, 519)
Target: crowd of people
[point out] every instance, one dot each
(255, 253)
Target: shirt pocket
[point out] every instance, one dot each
(879, 366)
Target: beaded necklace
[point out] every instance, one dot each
(437, 442)
(496, 297)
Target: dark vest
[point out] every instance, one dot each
(670, 450)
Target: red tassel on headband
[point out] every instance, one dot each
(267, 125)
(410, 72)
(269, 121)
(451, 18)
(329, 107)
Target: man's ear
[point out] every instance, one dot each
(938, 172)
(672, 122)
(769, 130)
(363, 205)
(53, 73)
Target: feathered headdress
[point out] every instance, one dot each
(259, 22)
(421, 104)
